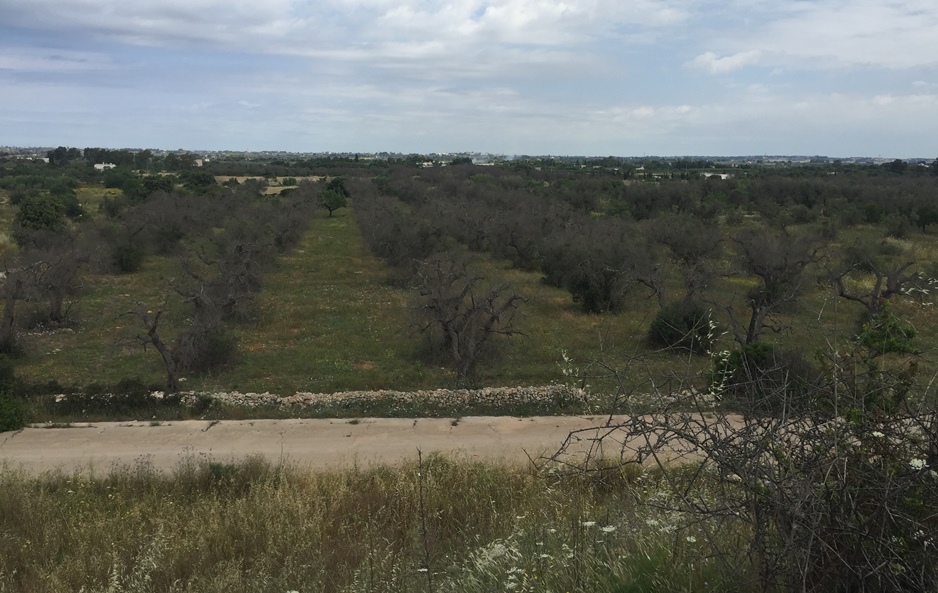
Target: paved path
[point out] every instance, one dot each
(314, 443)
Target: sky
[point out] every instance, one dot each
(838, 78)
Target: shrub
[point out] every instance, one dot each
(11, 413)
(764, 379)
(127, 258)
(882, 332)
(684, 326)
(204, 348)
(7, 374)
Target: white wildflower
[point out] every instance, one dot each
(588, 524)
(609, 528)
(691, 539)
(877, 434)
(917, 464)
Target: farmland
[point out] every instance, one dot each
(781, 321)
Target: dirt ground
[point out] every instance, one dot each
(100, 446)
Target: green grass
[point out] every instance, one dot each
(254, 527)
(328, 322)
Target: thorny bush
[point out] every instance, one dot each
(828, 489)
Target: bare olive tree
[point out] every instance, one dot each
(151, 337)
(461, 314)
(871, 273)
(778, 262)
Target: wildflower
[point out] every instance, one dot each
(691, 539)
(917, 464)
(422, 570)
(609, 528)
(877, 434)
(589, 524)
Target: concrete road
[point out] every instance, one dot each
(100, 446)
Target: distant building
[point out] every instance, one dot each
(104, 166)
(720, 175)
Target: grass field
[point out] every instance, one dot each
(275, 185)
(444, 525)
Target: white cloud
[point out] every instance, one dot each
(714, 64)
(296, 26)
(833, 33)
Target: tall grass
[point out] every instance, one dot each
(259, 527)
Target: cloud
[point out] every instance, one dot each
(298, 27)
(836, 33)
(561, 76)
(713, 64)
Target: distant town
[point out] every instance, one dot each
(482, 158)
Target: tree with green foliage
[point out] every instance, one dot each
(332, 200)
(62, 156)
(178, 161)
(198, 181)
(337, 184)
(38, 213)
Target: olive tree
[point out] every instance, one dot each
(873, 272)
(461, 314)
(777, 261)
